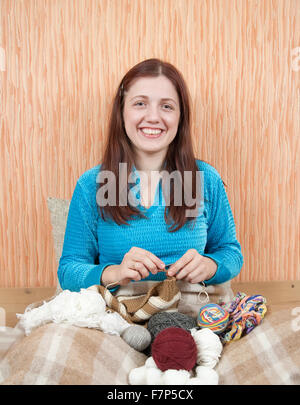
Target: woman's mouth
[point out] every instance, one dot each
(151, 132)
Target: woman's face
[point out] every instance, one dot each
(151, 114)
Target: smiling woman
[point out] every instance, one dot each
(150, 130)
(114, 244)
(151, 112)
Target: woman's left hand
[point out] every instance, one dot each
(193, 267)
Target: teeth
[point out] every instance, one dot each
(151, 131)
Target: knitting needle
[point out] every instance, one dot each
(167, 266)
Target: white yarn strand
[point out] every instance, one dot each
(86, 308)
(204, 293)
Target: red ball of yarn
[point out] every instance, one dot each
(174, 348)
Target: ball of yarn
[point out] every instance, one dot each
(137, 376)
(137, 336)
(214, 317)
(207, 376)
(174, 348)
(209, 347)
(163, 320)
(175, 377)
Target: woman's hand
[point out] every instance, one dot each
(136, 265)
(193, 267)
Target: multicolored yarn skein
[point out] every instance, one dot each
(245, 312)
(214, 317)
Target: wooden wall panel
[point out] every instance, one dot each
(60, 62)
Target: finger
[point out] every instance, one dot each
(181, 263)
(142, 269)
(145, 253)
(195, 276)
(186, 270)
(151, 265)
(196, 280)
(134, 275)
(145, 264)
(132, 272)
(125, 281)
(159, 263)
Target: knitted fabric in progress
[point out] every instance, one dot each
(162, 296)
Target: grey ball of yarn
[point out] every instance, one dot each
(138, 337)
(163, 320)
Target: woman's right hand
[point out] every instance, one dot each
(137, 263)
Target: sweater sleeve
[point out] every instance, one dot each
(222, 245)
(78, 266)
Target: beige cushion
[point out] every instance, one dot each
(59, 209)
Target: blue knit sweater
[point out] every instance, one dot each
(91, 244)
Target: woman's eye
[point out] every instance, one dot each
(168, 107)
(164, 106)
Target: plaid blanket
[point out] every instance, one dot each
(64, 354)
(269, 354)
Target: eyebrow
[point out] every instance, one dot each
(146, 97)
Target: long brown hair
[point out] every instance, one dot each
(180, 154)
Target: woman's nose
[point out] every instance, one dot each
(152, 114)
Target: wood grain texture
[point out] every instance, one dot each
(61, 62)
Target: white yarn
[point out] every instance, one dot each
(150, 363)
(207, 375)
(176, 377)
(113, 323)
(137, 376)
(150, 374)
(86, 308)
(209, 347)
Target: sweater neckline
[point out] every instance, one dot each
(157, 197)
